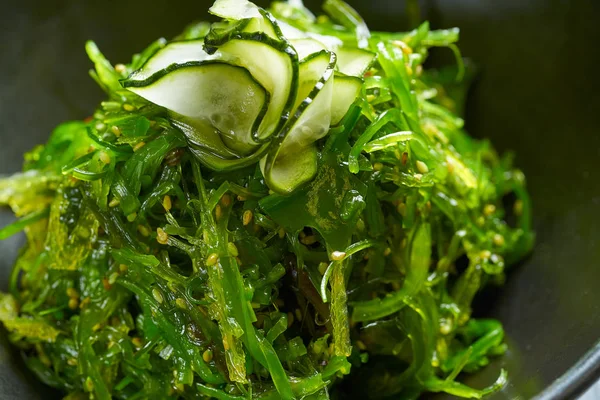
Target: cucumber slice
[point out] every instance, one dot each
(292, 160)
(274, 65)
(354, 62)
(346, 90)
(306, 46)
(179, 52)
(235, 9)
(224, 95)
(210, 149)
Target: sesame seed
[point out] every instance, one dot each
(298, 314)
(387, 251)
(418, 177)
(247, 217)
(128, 107)
(104, 157)
(337, 255)
(218, 212)
(378, 166)
(485, 254)
(241, 198)
(480, 221)
(232, 249)
(89, 384)
(401, 209)
(226, 200)
(518, 208)
(72, 362)
(120, 68)
(161, 236)
(123, 268)
(137, 342)
(404, 158)
(116, 130)
(207, 356)
(322, 268)
(290, 318)
(361, 345)
(212, 259)
(181, 303)
(106, 284)
(157, 295)
(308, 240)
(138, 146)
(113, 278)
(131, 217)
(422, 167)
(167, 203)
(281, 233)
(225, 344)
(114, 202)
(498, 239)
(85, 302)
(71, 292)
(73, 303)
(100, 126)
(143, 230)
(489, 209)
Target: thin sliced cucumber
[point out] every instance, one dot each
(306, 46)
(272, 63)
(235, 9)
(210, 149)
(292, 160)
(224, 95)
(354, 62)
(346, 90)
(179, 52)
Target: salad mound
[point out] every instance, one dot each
(277, 205)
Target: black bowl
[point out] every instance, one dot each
(538, 94)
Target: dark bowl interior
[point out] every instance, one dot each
(538, 93)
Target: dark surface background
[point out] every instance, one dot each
(538, 93)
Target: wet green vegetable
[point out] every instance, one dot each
(334, 220)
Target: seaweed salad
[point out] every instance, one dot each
(276, 205)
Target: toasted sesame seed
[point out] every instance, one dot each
(137, 342)
(308, 240)
(129, 107)
(100, 126)
(181, 303)
(104, 157)
(337, 255)
(247, 217)
(281, 233)
(518, 208)
(361, 345)
(157, 295)
(84, 303)
(404, 158)
(89, 384)
(241, 198)
(225, 343)
(73, 303)
(489, 209)
(167, 204)
(143, 230)
(387, 251)
(218, 212)
(485, 254)
(116, 130)
(106, 284)
(298, 314)
(378, 166)
(123, 268)
(207, 356)
(138, 146)
(114, 202)
(322, 268)
(401, 209)
(212, 259)
(120, 68)
(113, 278)
(232, 249)
(161, 236)
(290, 318)
(422, 167)
(498, 239)
(72, 362)
(71, 292)
(226, 200)
(131, 217)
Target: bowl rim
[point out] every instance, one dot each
(577, 379)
